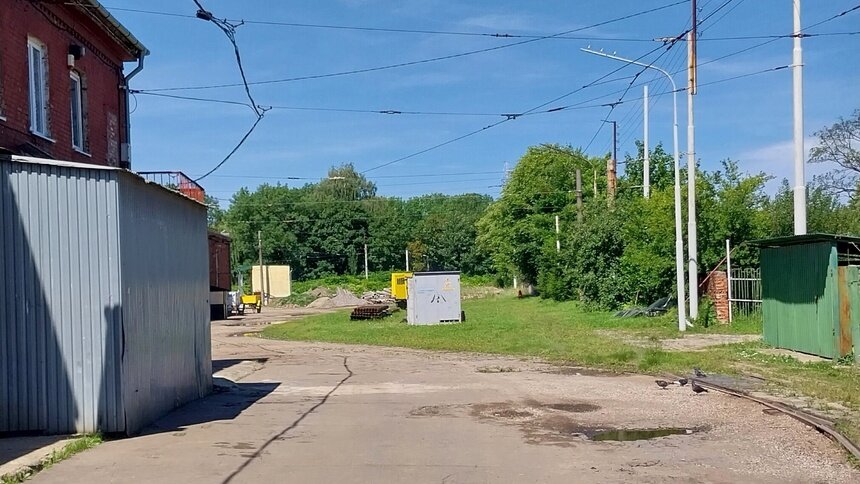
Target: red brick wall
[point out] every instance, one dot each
(100, 69)
(718, 291)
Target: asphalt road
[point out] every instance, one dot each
(308, 412)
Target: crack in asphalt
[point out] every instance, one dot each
(292, 426)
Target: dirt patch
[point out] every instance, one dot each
(434, 411)
(504, 410)
(691, 342)
(497, 369)
(579, 371)
(573, 407)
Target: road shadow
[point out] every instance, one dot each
(218, 365)
(228, 402)
(17, 444)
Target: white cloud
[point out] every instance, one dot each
(777, 160)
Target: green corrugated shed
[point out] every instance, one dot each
(811, 293)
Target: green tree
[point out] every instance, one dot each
(515, 228)
(838, 145)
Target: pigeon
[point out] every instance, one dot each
(697, 388)
(699, 373)
(662, 383)
(682, 381)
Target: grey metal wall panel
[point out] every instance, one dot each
(165, 306)
(59, 272)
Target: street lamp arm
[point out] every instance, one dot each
(634, 62)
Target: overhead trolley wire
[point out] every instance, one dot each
(422, 61)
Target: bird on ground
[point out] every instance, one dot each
(699, 373)
(662, 383)
(682, 381)
(698, 389)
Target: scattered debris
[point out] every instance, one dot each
(379, 297)
(658, 308)
(662, 383)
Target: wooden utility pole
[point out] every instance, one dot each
(579, 196)
(612, 167)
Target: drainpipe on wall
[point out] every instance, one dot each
(125, 148)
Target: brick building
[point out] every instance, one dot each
(62, 88)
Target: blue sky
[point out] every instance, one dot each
(749, 119)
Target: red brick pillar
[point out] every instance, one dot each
(718, 291)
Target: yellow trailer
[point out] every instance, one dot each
(398, 287)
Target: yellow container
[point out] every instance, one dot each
(398, 284)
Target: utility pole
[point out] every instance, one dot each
(579, 196)
(260, 249)
(365, 262)
(557, 241)
(679, 232)
(692, 243)
(407, 260)
(799, 154)
(611, 167)
(646, 164)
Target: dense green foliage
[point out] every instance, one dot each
(613, 256)
(320, 229)
(626, 254)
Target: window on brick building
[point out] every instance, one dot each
(78, 110)
(38, 87)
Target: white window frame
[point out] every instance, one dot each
(77, 96)
(38, 92)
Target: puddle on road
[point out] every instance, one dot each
(627, 435)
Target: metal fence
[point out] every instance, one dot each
(745, 290)
(178, 181)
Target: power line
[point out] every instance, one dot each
(421, 175)
(497, 35)
(423, 61)
(229, 30)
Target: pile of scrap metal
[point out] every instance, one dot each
(659, 308)
(370, 311)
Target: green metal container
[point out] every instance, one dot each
(811, 293)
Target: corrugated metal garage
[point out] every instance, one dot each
(103, 298)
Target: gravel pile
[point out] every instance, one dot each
(341, 299)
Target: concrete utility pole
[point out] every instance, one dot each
(646, 164)
(799, 154)
(679, 242)
(612, 168)
(557, 241)
(365, 262)
(579, 196)
(260, 249)
(692, 243)
(407, 260)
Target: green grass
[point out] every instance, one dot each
(76, 446)
(564, 332)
